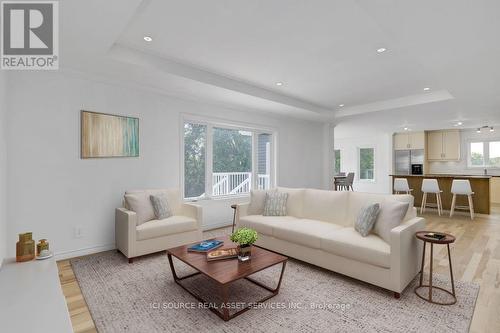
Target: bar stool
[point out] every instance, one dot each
(461, 187)
(431, 186)
(401, 185)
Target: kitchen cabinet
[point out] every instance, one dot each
(443, 145)
(409, 140)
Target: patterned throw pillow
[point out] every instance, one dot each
(275, 204)
(366, 219)
(160, 206)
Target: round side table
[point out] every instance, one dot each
(447, 240)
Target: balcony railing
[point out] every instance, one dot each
(229, 183)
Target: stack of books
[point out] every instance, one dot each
(206, 246)
(222, 254)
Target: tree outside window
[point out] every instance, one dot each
(366, 163)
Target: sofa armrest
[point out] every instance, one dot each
(125, 231)
(406, 252)
(194, 211)
(241, 210)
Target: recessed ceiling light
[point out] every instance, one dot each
(406, 128)
(279, 83)
(381, 50)
(427, 89)
(341, 105)
(148, 39)
(459, 123)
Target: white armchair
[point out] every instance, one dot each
(136, 237)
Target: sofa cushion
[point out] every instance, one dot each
(303, 231)
(390, 216)
(295, 200)
(264, 224)
(358, 200)
(328, 206)
(348, 243)
(366, 219)
(257, 201)
(275, 204)
(140, 204)
(169, 226)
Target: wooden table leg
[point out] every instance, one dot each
(430, 274)
(451, 272)
(224, 301)
(422, 267)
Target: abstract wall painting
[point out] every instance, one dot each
(106, 135)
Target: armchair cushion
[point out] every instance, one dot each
(169, 226)
(140, 203)
(160, 206)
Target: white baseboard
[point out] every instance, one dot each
(83, 252)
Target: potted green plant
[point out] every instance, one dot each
(244, 237)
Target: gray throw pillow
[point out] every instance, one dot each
(366, 219)
(275, 204)
(160, 206)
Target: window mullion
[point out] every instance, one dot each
(209, 162)
(255, 153)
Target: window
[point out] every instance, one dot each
(337, 167)
(484, 154)
(195, 140)
(476, 153)
(224, 160)
(366, 163)
(494, 154)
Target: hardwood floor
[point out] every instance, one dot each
(475, 255)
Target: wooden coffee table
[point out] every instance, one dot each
(224, 272)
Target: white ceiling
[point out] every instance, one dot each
(324, 51)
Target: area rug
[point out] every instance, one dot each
(142, 297)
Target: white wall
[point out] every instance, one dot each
(460, 167)
(382, 142)
(52, 190)
(3, 165)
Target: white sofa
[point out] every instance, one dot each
(319, 230)
(134, 238)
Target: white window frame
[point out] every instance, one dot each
(210, 123)
(358, 177)
(486, 154)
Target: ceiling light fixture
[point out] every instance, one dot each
(459, 123)
(279, 84)
(381, 50)
(341, 105)
(485, 127)
(427, 89)
(406, 128)
(148, 39)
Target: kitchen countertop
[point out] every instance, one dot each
(447, 176)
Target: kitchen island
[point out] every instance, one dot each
(480, 186)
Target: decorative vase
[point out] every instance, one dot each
(42, 245)
(244, 252)
(25, 247)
